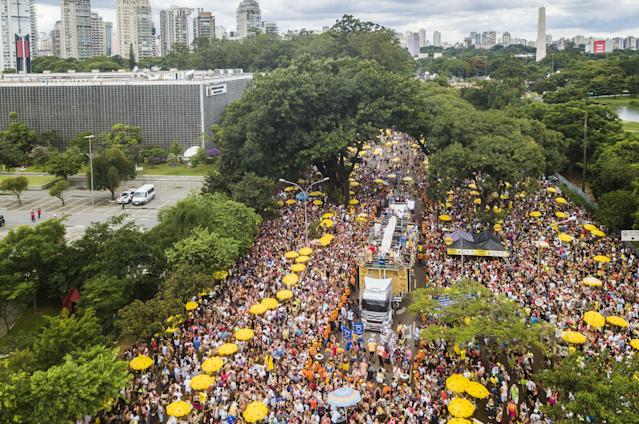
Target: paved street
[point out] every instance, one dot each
(80, 213)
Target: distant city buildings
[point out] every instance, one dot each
(204, 26)
(249, 20)
(437, 39)
(174, 28)
(541, 35)
(135, 28)
(19, 34)
(75, 32)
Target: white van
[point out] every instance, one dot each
(143, 194)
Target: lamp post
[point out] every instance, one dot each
(323, 180)
(90, 138)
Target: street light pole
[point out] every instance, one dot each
(90, 138)
(305, 200)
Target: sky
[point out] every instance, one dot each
(455, 19)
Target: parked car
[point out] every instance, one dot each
(2, 222)
(143, 194)
(126, 196)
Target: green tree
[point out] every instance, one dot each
(106, 294)
(30, 259)
(40, 155)
(18, 134)
(175, 286)
(124, 135)
(132, 60)
(616, 167)
(64, 334)
(64, 164)
(14, 185)
(58, 189)
(254, 191)
(110, 168)
(205, 251)
(616, 209)
(79, 386)
(143, 319)
(594, 388)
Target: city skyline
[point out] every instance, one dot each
(454, 20)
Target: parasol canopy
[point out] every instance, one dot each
(457, 383)
(201, 382)
(594, 319)
(179, 408)
(573, 337)
(227, 349)
(211, 365)
(244, 334)
(254, 412)
(461, 408)
(343, 397)
(140, 362)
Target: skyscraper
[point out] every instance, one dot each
(541, 34)
(75, 33)
(97, 35)
(204, 25)
(135, 28)
(174, 28)
(248, 17)
(55, 39)
(423, 42)
(437, 39)
(489, 38)
(108, 38)
(18, 34)
(505, 39)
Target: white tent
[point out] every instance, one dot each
(190, 152)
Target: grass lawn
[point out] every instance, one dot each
(630, 126)
(632, 102)
(165, 169)
(34, 180)
(25, 328)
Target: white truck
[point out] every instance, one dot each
(377, 303)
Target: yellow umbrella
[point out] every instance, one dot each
(354, 184)
(220, 275)
(634, 343)
(244, 334)
(602, 259)
(504, 196)
(617, 321)
(473, 186)
(140, 362)
(573, 337)
(377, 152)
(327, 223)
(448, 241)
(391, 176)
(598, 233)
(315, 194)
(191, 306)
(551, 190)
(302, 259)
(353, 202)
(291, 255)
(477, 390)
(407, 179)
(566, 238)
(284, 294)
(457, 383)
(227, 349)
(290, 279)
(211, 365)
(361, 219)
(458, 420)
(445, 218)
(298, 267)
(291, 202)
(561, 215)
(326, 239)
(257, 309)
(474, 193)
(305, 251)
(592, 281)
(594, 319)
(535, 214)
(378, 181)
(497, 227)
(328, 215)
(201, 382)
(590, 227)
(290, 188)
(318, 202)
(561, 200)
(255, 411)
(477, 201)
(170, 330)
(461, 408)
(179, 408)
(270, 303)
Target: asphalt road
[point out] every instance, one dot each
(79, 211)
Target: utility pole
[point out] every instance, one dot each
(90, 138)
(585, 159)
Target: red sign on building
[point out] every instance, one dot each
(599, 47)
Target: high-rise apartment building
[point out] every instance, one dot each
(249, 17)
(437, 39)
(423, 42)
(45, 47)
(489, 38)
(55, 39)
(135, 28)
(412, 43)
(97, 35)
(541, 35)
(220, 32)
(18, 34)
(75, 32)
(505, 39)
(204, 25)
(269, 27)
(174, 27)
(108, 38)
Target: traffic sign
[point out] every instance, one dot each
(629, 235)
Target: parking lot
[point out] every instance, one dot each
(79, 211)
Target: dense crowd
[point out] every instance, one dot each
(298, 355)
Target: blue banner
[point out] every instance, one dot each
(358, 328)
(347, 333)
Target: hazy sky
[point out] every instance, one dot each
(453, 18)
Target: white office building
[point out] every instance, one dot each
(17, 23)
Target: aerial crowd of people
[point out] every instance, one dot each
(297, 355)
